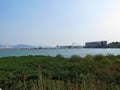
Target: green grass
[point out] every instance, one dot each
(58, 73)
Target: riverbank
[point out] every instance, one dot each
(33, 72)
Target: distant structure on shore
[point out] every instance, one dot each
(97, 44)
(74, 45)
(69, 47)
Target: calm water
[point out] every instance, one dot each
(64, 52)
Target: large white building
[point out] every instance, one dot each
(97, 44)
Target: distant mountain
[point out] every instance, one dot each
(23, 46)
(2, 46)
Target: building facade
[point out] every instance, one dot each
(98, 44)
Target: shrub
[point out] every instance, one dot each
(75, 58)
(99, 57)
(89, 57)
(59, 56)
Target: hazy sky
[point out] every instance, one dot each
(58, 22)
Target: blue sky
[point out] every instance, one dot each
(58, 22)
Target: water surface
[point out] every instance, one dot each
(53, 52)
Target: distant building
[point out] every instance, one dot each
(98, 44)
(69, 47)
(63, 47)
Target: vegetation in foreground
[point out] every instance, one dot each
(58, 73)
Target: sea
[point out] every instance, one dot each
(53, 52)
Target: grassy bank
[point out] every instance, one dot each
(58, 73)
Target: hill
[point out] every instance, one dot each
(23, 46)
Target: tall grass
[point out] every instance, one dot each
(43, 83)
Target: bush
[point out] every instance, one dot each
(89, 57)
(99, 57)
(21, 72)
(75, 58)
(59, 56)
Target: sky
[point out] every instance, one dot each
(58, 22)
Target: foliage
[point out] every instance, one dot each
(75, 58)
(58, 73)
(114, 45)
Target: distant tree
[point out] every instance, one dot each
(114, 45)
